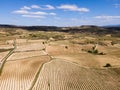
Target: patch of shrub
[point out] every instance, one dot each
(101, 53)
(89, 51)
(107, 65)
(95, 51)
(58, 37)
(66, 47)
(39, 36)
(115, 42)
(102, 44)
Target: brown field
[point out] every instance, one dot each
(62, 75)
(22, 55)
(17, 75)
(58, 61)
(76, 55)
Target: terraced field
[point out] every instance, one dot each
(36, 66)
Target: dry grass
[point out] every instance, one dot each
(74, 54)
(62, 50)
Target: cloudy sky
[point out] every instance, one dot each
(60, 12)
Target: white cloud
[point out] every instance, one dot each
(53, 14)
(33, 16)
(116, 5)
(73, 8)
(43, 7)
(30, 13)
(38, 13)
(49, 7)
(107, 17)
(83, 10)
(20, 12)
(25, 8)
(57, 18)
(35, 7)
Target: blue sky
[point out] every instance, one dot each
(60, 12)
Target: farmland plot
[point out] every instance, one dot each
(17, 75)
(62, 75)
(63, 49)
(22, 55)
(75, 54)
(29, 47)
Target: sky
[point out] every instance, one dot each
(60, 12)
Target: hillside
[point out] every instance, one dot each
(59, 58)
(81, 29)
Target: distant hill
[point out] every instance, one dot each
(37, 28)
(113, 25)
(91, 29)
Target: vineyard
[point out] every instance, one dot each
(34, 65)
(17, 75)
(61, 75)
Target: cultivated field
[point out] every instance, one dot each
(62, 75)
(38, 60)
(74, 53)
(18, 74)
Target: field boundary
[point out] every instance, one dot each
(40, 68)
(3, 61)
